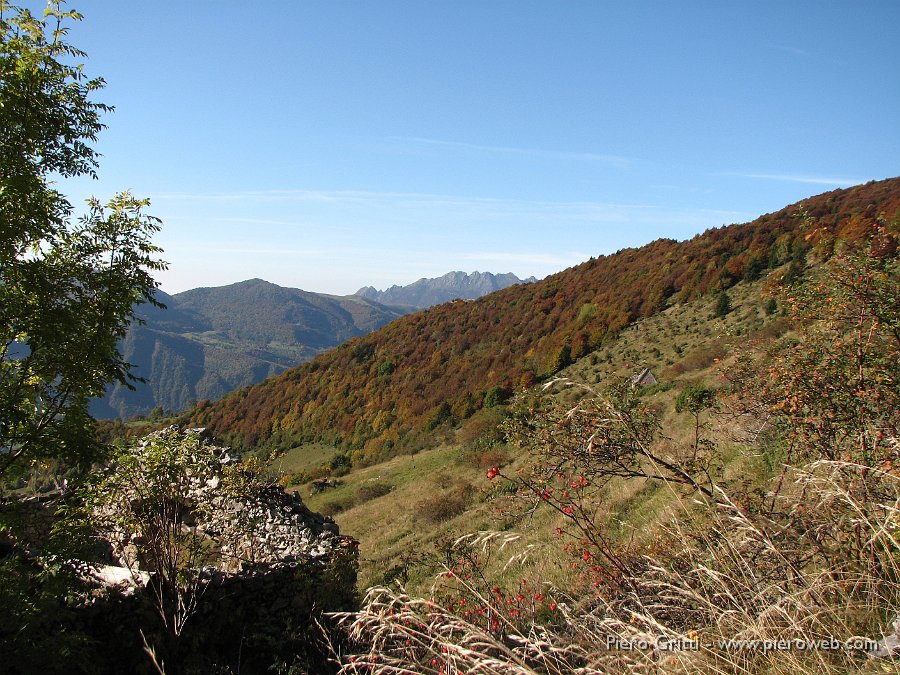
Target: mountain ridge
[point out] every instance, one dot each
(427, 292)
(211, 340)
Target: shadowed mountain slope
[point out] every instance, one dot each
(209, 341)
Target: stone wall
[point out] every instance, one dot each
(271, 568)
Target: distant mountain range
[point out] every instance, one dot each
(209, 341)
(452, 286)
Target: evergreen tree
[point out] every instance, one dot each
(723, 305)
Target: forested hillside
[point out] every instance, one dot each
(393, 388)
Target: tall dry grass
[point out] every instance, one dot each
(809, 585)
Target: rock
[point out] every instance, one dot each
(266, 525)
(889, 645)
(122, 579)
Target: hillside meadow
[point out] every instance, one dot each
(408, 510)
(742, 508)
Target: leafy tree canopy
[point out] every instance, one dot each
(67, 287)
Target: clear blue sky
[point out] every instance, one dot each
(330, 145)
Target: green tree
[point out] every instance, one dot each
(439, 415)
(47, 121)
(723, 305)
(559, 358)
(67, 288)
(496, 396)
(695, 400)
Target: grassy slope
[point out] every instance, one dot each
(394, 529)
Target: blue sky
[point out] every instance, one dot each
(330, 145)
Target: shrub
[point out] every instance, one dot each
(700, 358)
(372, 491)
(290, 480)
(483, 427)
(340, 464)
(446, 505)
(485, 458)
(338, 505)
(496, 396)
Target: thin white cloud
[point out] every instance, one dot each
(592, 209)
(560, 155)
(269, 251)
(817, 56)
(324, 196)
(337, 241)
(793, 178)
(423, 215)
(254, 221)
(270, 195)
(796, 51)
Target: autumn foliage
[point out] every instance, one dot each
(395, 389)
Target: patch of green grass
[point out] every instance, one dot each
(303, 458)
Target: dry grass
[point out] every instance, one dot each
(727, 574)
(752, 566)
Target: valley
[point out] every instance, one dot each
(209, 341)
(667, 443)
